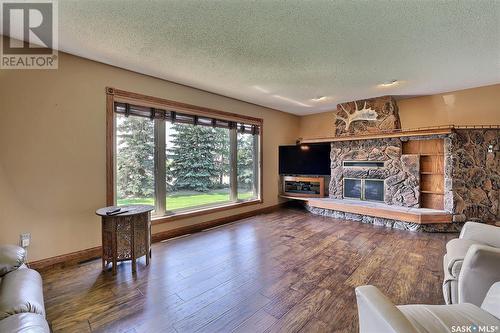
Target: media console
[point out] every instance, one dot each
(305, 187)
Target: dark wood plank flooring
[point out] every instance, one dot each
(287, 271)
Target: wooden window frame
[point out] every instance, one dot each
(116, 95)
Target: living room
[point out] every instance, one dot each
(250, 167)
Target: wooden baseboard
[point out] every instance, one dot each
(68, 258)
(158, 237)
(95, 252)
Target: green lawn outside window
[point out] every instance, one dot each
(182, 200)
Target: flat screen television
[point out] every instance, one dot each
(310, 159)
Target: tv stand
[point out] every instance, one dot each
(302, 186)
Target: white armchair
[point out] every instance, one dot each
(377, 314)
(458, 289)
(480, 270)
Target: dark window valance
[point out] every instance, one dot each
(183, 118)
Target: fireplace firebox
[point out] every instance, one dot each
(364, 189)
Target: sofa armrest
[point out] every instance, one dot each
(24, 323)
(481, 233)
(480, 270)
(491, 302)
(11, 258)
(454, 266)
(21, 291)
(378, 314)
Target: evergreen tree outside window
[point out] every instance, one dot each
(247, 166)
(197, 166)
(135, 160)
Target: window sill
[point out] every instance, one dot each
(202, 211)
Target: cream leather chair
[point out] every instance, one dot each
(466, 281)
(378, 315)
(21, 294)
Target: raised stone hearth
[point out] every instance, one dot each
(388, 223)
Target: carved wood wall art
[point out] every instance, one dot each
(375, 116)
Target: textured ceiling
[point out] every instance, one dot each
(283, 54)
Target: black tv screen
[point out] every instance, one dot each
(310, 159)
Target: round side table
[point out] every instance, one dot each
(126, 235)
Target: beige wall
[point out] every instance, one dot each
(52, 150)
(476, 106)
(317, 125)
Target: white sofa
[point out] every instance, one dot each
(471, 263)
(377, 314)
(21, 294)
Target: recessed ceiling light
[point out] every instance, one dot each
(264, 90)
(320, 98)
(291, 100)
(389, 83)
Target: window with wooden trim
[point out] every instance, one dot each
(183, 161)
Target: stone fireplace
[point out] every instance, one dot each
(375, 162)
(471, 176)
(372, 159)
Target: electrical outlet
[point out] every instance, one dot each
(25, 239)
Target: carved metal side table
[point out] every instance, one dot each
(125, 235)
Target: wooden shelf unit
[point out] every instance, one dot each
(431, 154)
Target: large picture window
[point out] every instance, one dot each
(181, 162)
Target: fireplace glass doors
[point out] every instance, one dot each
(352, 188)
(374, 189)
(364, 189)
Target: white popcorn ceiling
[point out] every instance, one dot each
(282, 54)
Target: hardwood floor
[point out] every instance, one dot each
(287, 271)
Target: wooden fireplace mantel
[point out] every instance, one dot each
(422, 131)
